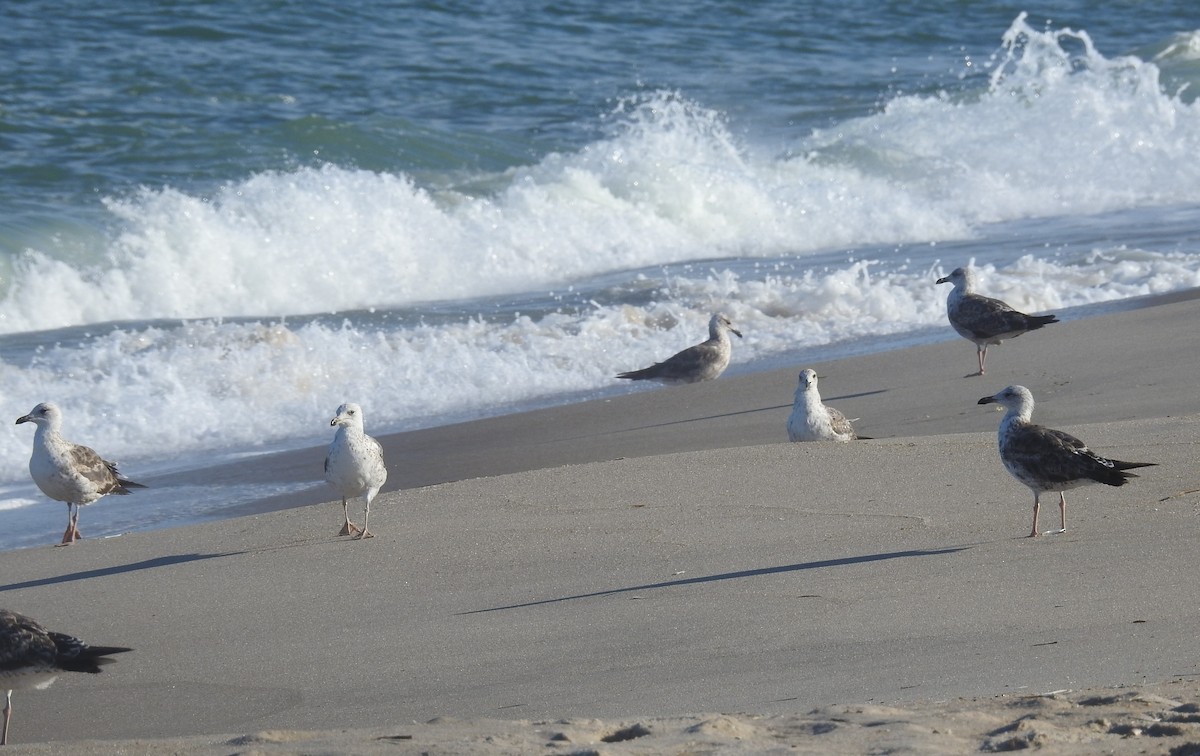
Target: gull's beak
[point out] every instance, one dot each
(24, 419)
(987, 400)
(734, 330)
(945, 279)
(333, 422)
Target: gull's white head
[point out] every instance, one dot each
(348, 415)
(46, 415)
(1016, 399)
(808, 378)
(962, 278)
(719, 322)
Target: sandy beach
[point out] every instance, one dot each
(662, 572)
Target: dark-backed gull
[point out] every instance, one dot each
(32, 657)
(702, 362)
(354, 465)
(69, 472)
(984, 320)
(813, 421)
(1050, 460)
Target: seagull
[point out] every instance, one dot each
(32, 657)
(1050, 460)
(982, 319)
(354, 465)
(813, 421)
(69, 472)
(702, 362)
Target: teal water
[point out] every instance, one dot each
(100, 99)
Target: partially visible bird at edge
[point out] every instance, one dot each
(33, 657)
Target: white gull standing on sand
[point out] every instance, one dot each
(1050, 460)
(813, 421)
(32, 657)
(984, 320)
(702, 362)
(354, 465)
(69, 472)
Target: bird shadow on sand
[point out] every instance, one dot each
(855, 395)
(842, 562)
(721, 416)
(702, 418)
(117, 569)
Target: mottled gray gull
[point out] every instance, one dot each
(1050, 460)
(354, 465)
(813, 421)
(32, 657)
(702, 362)
(69, 472)
(984, 320)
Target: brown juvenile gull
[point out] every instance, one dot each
(984, 320)
(32, 657)
(1050, 460)
(354, 465)
(702, 362)
(813, 421)
(69, 472)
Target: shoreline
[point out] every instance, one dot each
(667, 552)
(526, 440)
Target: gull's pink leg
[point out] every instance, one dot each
(1036, 506)
(367, 516)
(71, 534)
(7, 717)
(348, 528)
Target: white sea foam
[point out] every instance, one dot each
(191, 383)
(1058, 129)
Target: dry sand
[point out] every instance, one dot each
(1136, 720)
(593, 578)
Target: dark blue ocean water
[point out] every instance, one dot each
(442, 210)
